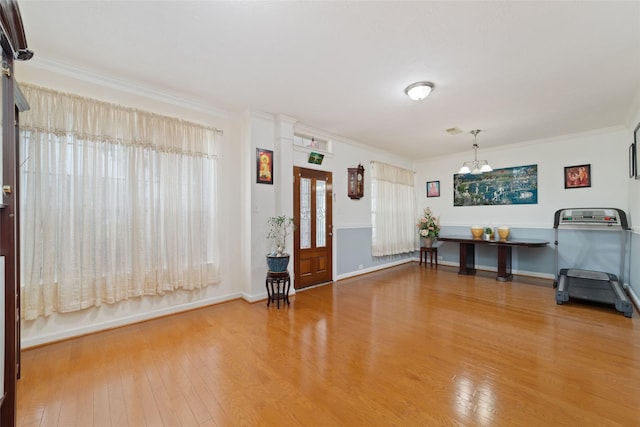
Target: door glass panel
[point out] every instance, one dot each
(321, 218)
(305, 213)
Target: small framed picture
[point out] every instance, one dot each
(577, 176)
(315, 158)
(264, 166)
(433, 188)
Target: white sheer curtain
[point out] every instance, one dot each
(392, 209)
(115, 203)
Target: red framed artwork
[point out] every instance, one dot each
(264, 166)
(577, 176)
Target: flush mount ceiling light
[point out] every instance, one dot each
(419, 91)
(475, 167)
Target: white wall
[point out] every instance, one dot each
(634, 211)
(275, 132)
(261, 134)
(634, 185)
(348, 154)
(606, 150)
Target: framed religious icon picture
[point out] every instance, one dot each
(264, 166)
(433, 188)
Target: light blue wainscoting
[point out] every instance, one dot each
(353, 252)
(589, 249)
(633, 279)
(599, 250)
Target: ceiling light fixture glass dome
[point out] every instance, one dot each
(419, 90)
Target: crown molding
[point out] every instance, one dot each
(47, 64)
(286, 119)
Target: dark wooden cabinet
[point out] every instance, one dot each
(14, 47)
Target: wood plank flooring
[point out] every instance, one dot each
(407, 346)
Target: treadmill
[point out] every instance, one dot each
(589, 285)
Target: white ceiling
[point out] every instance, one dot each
(520, 71)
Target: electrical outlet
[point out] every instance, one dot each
(360, 266)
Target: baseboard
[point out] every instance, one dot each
(262, 296)
(535, 274)
(441, 262)
(372, 269)
(122, 321)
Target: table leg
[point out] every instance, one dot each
(266, 285)
(467, 259)
(286, 295)
(504, 263)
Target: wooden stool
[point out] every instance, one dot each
(431, 251)
(278, 284)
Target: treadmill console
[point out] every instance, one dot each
(590, 216)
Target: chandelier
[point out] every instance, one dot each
(475, 167)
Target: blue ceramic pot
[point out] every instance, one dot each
(277, 263)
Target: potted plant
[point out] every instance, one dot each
(428, 227)
(488, 233)
(279, 228)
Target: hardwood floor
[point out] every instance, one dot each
(407, 346)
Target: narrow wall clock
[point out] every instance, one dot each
(355, 182)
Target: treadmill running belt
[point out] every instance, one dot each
(591, 290)
(594, 286)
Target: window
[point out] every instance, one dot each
(392, 210)
(311, 142)
(115, 203)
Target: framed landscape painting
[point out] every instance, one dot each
(507, 186)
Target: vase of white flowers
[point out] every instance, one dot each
(428, 227)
